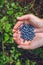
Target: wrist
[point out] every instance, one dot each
(41, 20)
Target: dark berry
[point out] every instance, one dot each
(27, 32)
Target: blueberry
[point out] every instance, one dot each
(27, 32)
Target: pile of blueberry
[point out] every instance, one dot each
(27, 32)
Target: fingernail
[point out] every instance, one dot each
(19, 47)
(14, 30)
(13, 35)
(18, 17)
(14, 38)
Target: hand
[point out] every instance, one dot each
(38, 39)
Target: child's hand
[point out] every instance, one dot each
(38, 39)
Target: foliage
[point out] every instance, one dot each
(9, 53)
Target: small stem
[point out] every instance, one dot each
(2, 44)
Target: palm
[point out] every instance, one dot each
(29, 44)
(35, 43)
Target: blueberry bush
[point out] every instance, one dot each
(9, 53)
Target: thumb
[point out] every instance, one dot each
(24, 17)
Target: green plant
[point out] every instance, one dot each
(2, 2)
(9, 53)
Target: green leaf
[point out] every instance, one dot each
(5, 18)
(41, 55)
(1, 63)
(33, 63)
(18, 14)
(36, 51)
(10, 11)
(6, 37)
(2, 2)
(12, 51)
(6, 59)
(27, 62)
(7, 27)
(17, 55)
(18, 63)
(11, 40)
(13, 5)
(0, 26)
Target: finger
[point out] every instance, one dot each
(38, 30)
(24, 17)
(15, 35)
(34, 44)
(16, 39)
(18, 24)
(25, 43)
(24, 46)
(34, 20)
(19, 37)
(20, 41)
(40, 35)
(37, 43)
(15, 30)
(36, 37)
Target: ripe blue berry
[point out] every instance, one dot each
(27, 32)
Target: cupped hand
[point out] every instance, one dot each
(37, 40)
